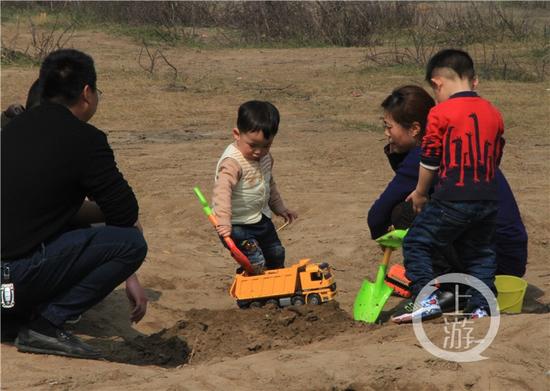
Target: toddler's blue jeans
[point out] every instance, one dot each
(267, 249)
(470, 225)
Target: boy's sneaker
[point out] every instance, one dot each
(428, 309)
(478, 313)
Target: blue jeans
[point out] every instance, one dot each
(75, 271)
(470, 226)
(268, 249)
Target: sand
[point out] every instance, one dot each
(330, 167)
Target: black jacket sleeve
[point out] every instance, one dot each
(102, 181)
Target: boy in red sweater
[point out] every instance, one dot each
(463, 144)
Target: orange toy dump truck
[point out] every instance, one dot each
(305, 282)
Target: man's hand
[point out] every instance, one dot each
(137, 297)
(14, 110)
(223, 230)
(418, 200)
(137, 224)
(289, 216)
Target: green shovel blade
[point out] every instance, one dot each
(371, 298)
(393, 239)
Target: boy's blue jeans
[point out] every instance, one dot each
(470, 225)
(268, 251)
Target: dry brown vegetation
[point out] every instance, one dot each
(392, 33)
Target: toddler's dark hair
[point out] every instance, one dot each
(455, 59)
(258, 115)
(409, 104)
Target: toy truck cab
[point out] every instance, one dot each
(317, 283)
(304, 282)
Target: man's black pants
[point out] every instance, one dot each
(70, 274)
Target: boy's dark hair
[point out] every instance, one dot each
(409, 104)
(258, 115)
(64, 74)
(455, 59)
(33, 96)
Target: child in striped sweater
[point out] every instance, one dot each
(245, 193)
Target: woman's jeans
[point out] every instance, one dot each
(68, 275)
(260, 243)
(470, 226)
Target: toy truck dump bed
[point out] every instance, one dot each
(304, 282)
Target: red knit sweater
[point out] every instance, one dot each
(464, 142)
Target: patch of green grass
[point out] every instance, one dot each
(362, 126)
(16, 58)
(138, 33)
(12, 14)
(411, 70)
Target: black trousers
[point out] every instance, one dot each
(73, 272)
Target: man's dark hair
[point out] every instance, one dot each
(33, 96)
(409, 104)
(258, 115)
(455, 59)
(64, 74)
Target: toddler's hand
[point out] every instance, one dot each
(223, 230)
(418, 201)
(289, 215)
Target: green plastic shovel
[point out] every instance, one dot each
(372, 297)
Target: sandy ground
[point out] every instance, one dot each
(330, 167)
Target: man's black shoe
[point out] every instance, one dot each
(64, 344)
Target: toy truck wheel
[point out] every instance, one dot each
(242, 304)
(255, 304)
(298, 300)
(314, 299)
(272, 302)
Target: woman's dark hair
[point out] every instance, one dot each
(258, 115)
(64, 74)
(409, 104)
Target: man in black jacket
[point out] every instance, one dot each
(52, 159)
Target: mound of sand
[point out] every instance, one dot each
(211, 335)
